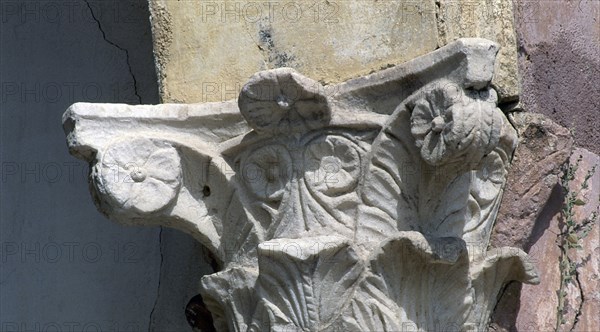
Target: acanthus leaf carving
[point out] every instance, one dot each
(324, 267)
(365, 205)
(426, 280)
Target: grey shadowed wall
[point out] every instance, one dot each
(63, 266)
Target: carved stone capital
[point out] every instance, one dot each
(362, 206)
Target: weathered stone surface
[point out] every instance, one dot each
(559, 63)
(215, 46)
(583, 301)
(531, 200)
(580, 310)
(485, 19)
(589, 275)
(536, 307)
(349, 211)
(527, 205)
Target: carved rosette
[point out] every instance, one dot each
(364, 206)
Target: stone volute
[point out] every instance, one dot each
(361, 206)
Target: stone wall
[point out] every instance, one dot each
(217, 45)
(559, 63)
(555, 219)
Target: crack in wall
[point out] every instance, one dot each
(577, 283)
(135, 87)
(159, 278)
(579, 311)
(261, 50)
(569, 239)
(580, 307)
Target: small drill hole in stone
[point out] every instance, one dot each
(206, 191)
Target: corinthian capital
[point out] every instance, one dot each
(361, 206)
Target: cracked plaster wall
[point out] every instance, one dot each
(63, 266)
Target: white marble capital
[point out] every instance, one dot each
(361, 206)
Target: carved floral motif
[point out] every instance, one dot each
(366, 210)
(284, 101)
(449, 123)
(139, 174)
